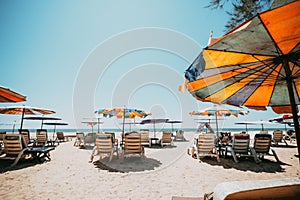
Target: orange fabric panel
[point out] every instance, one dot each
(204, 82)
(283, 109)
(263, 94)
(215, 59)
(283, 25)
(12, 96)
(232, 89)
(257, 107)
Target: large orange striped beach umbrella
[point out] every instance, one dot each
(257, 64)
(7, 95)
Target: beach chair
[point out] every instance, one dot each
(262, 146)
(79, 139)
(145, 140)
(104, 146)
(60, 137)
(180, 135)
(41, 137)
(166, 138)
(278, 137)
(89, 139)
(2, 134)
(115, 141)
(240, 147)
(290, 135)
(133, 144)
(16, 148)
(205, 146)
(26, 135)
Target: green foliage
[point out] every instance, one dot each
(242, 10)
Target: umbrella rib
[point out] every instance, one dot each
(269, 34)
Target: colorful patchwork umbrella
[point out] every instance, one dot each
(257, 64)
(122, 113)
(218, 111)
(6, 95)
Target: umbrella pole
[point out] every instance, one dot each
(123, 135)
(289, 82)
(98, 124)
(54, 132)
(154, 129)
(23, 112)
(217, 124)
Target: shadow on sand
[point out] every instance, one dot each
(128, 164)
(247, 164)
(5, 165)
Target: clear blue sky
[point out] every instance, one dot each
(54, 53)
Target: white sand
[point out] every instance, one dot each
(163, 173)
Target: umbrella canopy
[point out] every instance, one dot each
(92, 124)
(42, 118)
(122, 113)
(25, 110)
(218, 111)
(55, 124)
(286, 119)
(255, 65)
(172, 122)
(6, 95)
(253, 123)
(154, 121)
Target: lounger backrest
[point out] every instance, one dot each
(2, 134)
(262, 143)
(13, 144)
(179, 134)
(79, 135)
(144, 136)
(60, 135)
(263, 132)
(25, 133)
(241, 143)
(112, 135)
(133, 143)
(166, 136)
(104, 143)
(90, 138)
(41, 135)
(277, 135)
(206, 143)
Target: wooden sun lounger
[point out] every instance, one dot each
(258, 189)
(15, 148)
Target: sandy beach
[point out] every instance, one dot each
(161, 174)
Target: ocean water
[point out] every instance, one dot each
(234, 130)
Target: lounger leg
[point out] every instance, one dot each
(285, 142)
(111, 155)
(92, 155)
(217, 154)
(18, 158)
(275, 155)
(253, 153)
(234, 157)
